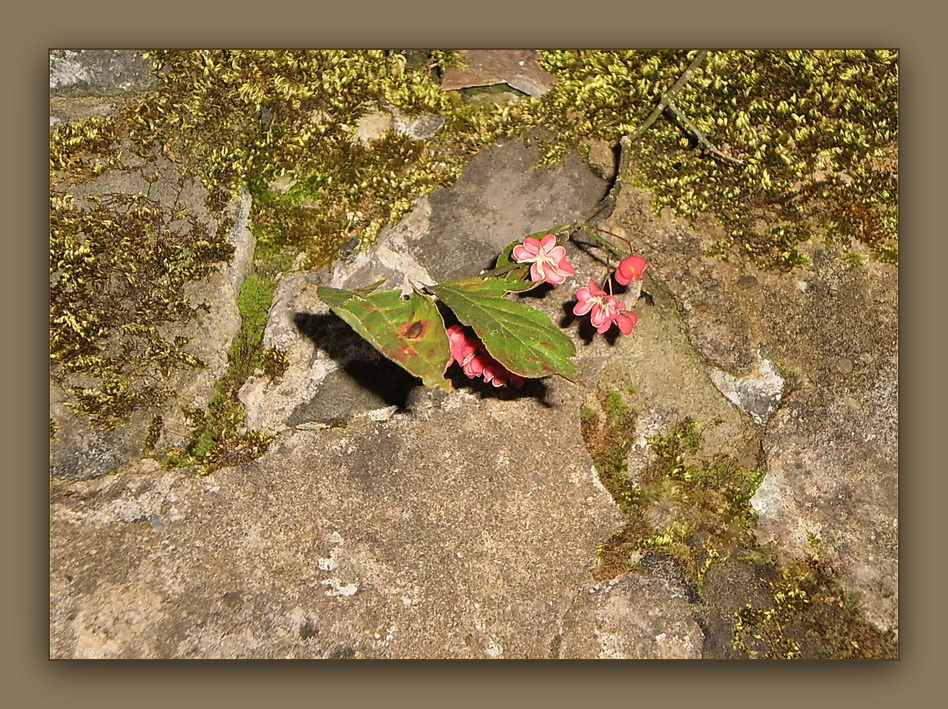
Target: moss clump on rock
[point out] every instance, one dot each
(809, 617)
(816, 131)
(256, 117)
(119, 265)
(695, 511)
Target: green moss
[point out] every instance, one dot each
(608, 438)
(816, 131)
(218, 435)
(249, 117)
(118, 271)
(693, 510)
(809, 617)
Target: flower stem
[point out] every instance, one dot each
(599, 240)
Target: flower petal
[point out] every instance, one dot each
(555, 276)
(536, 272)
(626, 320)
(557, 253)
(582, 307)
(547, 241)
(595, 290)
(600, 316)
(532, 245)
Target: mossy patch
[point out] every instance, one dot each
(119, 265)
(809, 617)
(695, 511)
(219, 437)
(816, 131)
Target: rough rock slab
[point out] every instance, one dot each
(632, 617)
(831, 447)
(453, 233)
(79, 450)
(467, 533)
(670, 382)
(99, 72)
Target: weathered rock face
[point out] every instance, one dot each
(632, 617)
(450, 234)
(465, 532)
(831, 441)
(103, 72)
(78, 450)
(390, 521)
(93, 82)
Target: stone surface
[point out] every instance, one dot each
(831, 448)
(80, 451)
(515, 67)
(759, 395)
(670, 382)
(99, 72)
(443, 536)
(389, 521)
(502, 196)
(632, 617)
(452, 233)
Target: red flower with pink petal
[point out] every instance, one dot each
(631, 269)
(548, 261)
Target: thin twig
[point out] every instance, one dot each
(602, 242)
(702, 139)
(669, 95)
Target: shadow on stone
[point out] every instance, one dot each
(532, 388)
(585, 332)
(380, 378)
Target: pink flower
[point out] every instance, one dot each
(631, 269)
(625, 321)
(549, 263)
(605, 309)
(475, 361)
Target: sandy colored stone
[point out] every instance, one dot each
(466, 534)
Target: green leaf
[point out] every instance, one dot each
(521, 338)
(409, 331)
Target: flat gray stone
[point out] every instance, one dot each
(99, 72)
(631, 617)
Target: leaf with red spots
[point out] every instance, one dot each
(521, 338)
(409, 331)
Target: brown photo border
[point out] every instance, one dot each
(33, 680)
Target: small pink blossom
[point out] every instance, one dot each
(604, 309)
(625, 321)
(631, 269)
(475, 361)
(548, 261)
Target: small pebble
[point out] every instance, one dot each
(844, 365)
